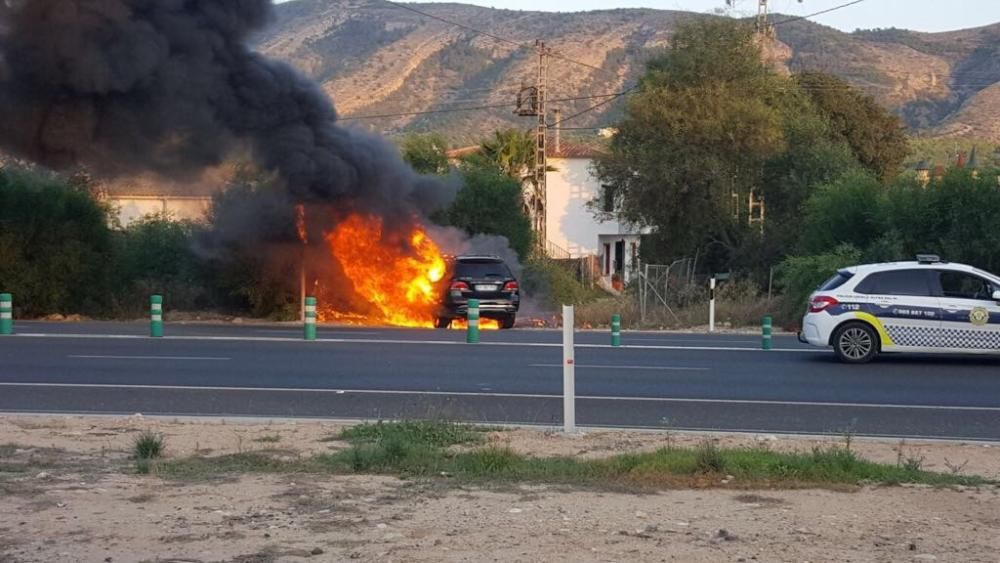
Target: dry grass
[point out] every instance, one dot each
(738, 305)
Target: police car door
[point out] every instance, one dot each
(970, 316)
(904, 308)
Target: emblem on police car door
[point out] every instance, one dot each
(979, 316)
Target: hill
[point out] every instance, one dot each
(374, 58)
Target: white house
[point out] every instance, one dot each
(134, 198)
(573, 230)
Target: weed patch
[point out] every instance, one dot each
(148, 445)
(413, 449)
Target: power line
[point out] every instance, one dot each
(426, 112)
(595, 106)
(819, 13)
(477, 108)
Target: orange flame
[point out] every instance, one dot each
(399, 281)
(484, 324)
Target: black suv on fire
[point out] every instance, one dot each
(486, 278)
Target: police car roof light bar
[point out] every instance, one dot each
(928, 258)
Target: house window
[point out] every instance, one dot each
(609, 196)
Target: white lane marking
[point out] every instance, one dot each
(692, 340)
(598, 366)
(411, 342)
(506, 395)
(184, 358)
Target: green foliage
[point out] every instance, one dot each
(555, 283)
(396, 449)
(875, 135)
(800, 275)
(426, 432)
(490, 203)
(426, 153)
(712, 123)
(510, 150)
(155, 255)
(709, 458)
(251, 244)
(148, 445)
(55, 245)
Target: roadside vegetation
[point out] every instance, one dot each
(461, 453)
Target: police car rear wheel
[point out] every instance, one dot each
(855, 343)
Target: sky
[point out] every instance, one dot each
(920, 15)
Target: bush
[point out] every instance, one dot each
(148, 445)
(800, 275)
(491, 203)
(552, 284)
(154, 255)
(55, 245)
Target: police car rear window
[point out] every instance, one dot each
(896, 282)
(838, 279)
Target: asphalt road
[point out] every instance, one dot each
(662, 380)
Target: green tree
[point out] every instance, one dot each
(490, 203)
(512, 151)
(155, 255)
(426, 153)
(875, 135)
(55, 245)
(710, 124)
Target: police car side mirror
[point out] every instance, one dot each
(996, 295)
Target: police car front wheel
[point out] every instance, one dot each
(855, 343)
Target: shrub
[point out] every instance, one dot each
(155, 255)
(55, 245)
(148, 445)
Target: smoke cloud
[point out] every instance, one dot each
(170, 87)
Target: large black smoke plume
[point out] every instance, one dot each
(170, 87)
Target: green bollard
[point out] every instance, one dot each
(766, 330)
(6, 313)
(616, 330)
(472, 332)
(310, 318)
(156, 316)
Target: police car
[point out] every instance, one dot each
(926, 306)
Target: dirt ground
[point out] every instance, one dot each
(73, 497)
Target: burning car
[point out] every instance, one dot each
(486, 278)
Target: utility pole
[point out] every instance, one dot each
(534, 98)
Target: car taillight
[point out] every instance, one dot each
(510, 286)
(459, 286)
(821, 303)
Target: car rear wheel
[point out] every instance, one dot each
(855, 343)
(442, 322)
(507, 321)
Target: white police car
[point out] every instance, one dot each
(923, 306)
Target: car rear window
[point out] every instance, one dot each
(896, 282)
(838, 279)
(481, 269)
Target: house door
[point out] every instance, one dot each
(619, 256)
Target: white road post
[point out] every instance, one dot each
(569, 372)
(711, 305)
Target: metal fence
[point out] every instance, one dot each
(657, 284)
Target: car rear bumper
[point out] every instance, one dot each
(486, 308)
(813, 332)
